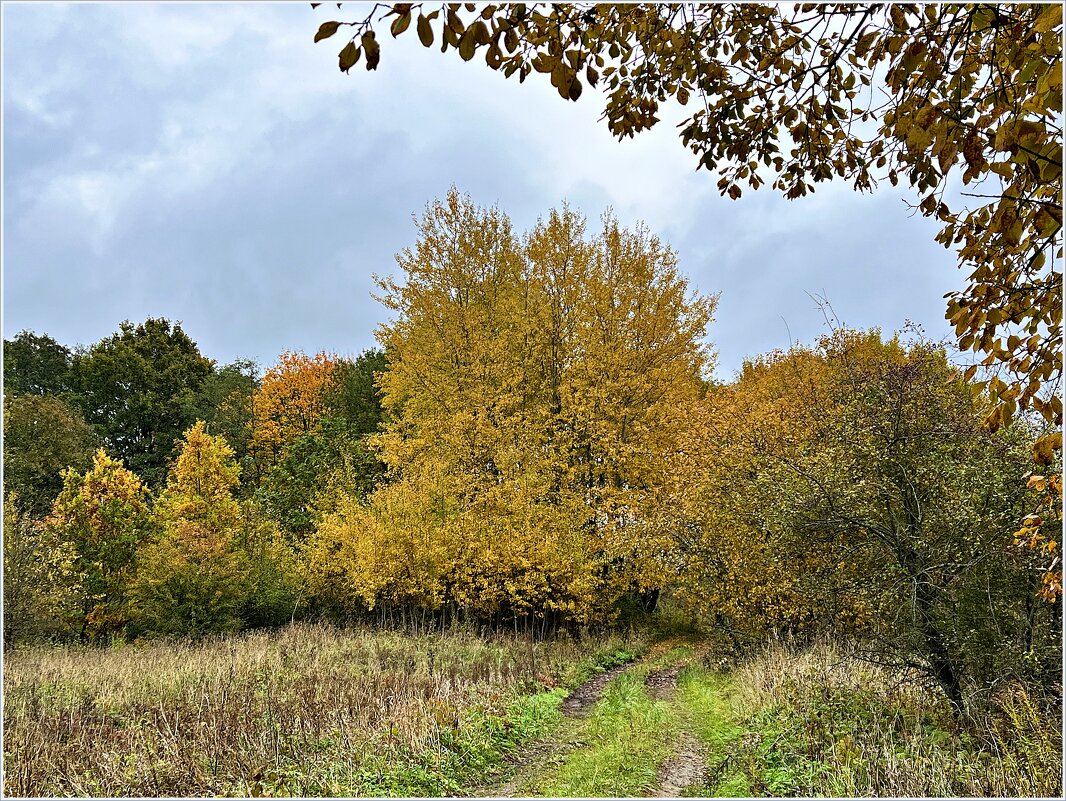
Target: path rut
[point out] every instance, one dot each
(534, 758)
(688, 765)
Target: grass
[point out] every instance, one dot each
(308, 710)
(621, 744)
(818, 723)
(624, 740)
(704, 703)
(313, 710)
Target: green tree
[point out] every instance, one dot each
(103, 516)
(35, 364)
(274, 589)
(42, 592)
(354, 397)
(138, 388)
(334, 458)
(42, 437)
(798, 95)
(855, 488)
(224, 402)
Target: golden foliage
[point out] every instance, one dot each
(803, 94)
(536, 386)
(104, 516)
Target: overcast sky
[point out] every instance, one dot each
(208, 163)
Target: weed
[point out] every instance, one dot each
(307, 710)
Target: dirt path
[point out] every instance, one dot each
(685, 768)
(581, 700)
(535, 758)
(688, 765)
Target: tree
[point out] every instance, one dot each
(215, 566)
(224, 403)
(290, 403)
(137, 388)
(534, 385)
(201, 482)
(42, 437)
(35, 364)
(353, 396)
(333, 457)
(970, 93)
(103, 516)
(855, 488)
(192, 578)
(41, 588)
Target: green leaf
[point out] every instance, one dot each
(326, 30)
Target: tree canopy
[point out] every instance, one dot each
(937, 96)
(138, 388)
(35, 364)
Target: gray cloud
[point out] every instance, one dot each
(208, 163)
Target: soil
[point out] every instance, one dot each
(687, 767)
(580, 701)
(535, 758)
(662, 684)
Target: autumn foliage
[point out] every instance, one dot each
(539, 443)
(535, 385)
(290, 402)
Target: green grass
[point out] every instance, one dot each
(818, 723)
(704, 703)
(625, 739)
(622, 742)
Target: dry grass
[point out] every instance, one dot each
(821, 723)
(305, 710)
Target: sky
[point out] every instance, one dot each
(209, 164)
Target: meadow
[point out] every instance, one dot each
(315, 710)
(306, 710)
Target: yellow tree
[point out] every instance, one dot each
(104, 516)
(192, 578)
(201, 483)
(536, 385)
(798, 94)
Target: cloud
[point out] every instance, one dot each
(208, 162)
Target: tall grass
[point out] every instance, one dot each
(307, 710)
(821, 723)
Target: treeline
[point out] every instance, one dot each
(538, 442)
(149, 490)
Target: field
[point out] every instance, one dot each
(312, 710)
(309, 710)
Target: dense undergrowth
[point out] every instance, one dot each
(309, 710)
